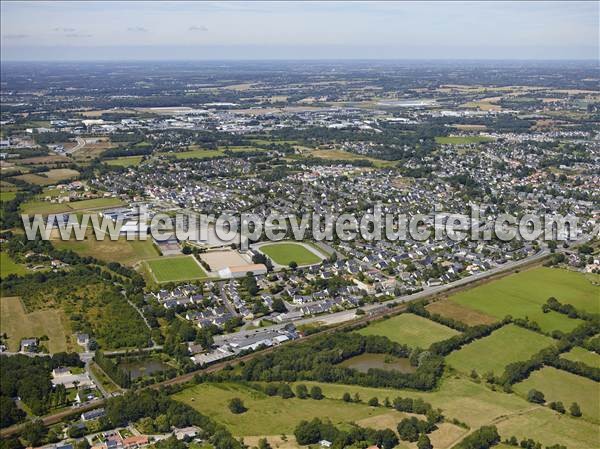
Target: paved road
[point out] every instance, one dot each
(79, 146)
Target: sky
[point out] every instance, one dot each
(112, 30)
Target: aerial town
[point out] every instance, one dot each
(215, 341)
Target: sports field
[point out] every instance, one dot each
(410, 329)
(522, 295)
(18, 324)
(284, 253)
(578, 354)
(270, 415)
(508, 344)
(9, 266)
(179, 268)
(558, 385)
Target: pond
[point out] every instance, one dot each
(142, 367)
(387, 362)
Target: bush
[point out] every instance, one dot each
(536, 396)
(236, 405)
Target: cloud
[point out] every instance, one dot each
(77, 35)
(15, 36)
(65, 30)
(198, 28)
(137, 30)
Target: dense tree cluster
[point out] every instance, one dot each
(30, 379)
(84, 289)
(311, 432)
(483, 438)
(318, 360)
(158, 406)
(409, 429)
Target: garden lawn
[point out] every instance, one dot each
(269, 415)
(284, 253)
(508, 344)
(522, 295)
(180, 268)
(410, 329)
(558, 385)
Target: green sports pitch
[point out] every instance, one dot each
(284, 253)
(171, 269)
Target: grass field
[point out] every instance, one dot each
(122, 250)
(477, 405)
(9, 266)
(522, 295)
(7, 195)
(340, 155)
(508, 344)
(180, 268)
(410, 329)
(270, 415)
(460, 313)
(198, 154)
(50, 177)
(558, 385)
(45, 207)
(578, 354)
(18, 325)
(462, 140)
(126, 161)
(284, 253)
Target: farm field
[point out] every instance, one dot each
(180, 268)
(508, 344)
(410, 329)
(578, 354)
(460, 313)
(17, 324)
(284, 253)
(45, 207)
(269, 415)
(126, 161)
(340, 155)
(462, 140)
(523, 294)
(558, 385)
(477, 405)
(122, 250)
(198, 153)
(7, 195)
(50, 177)
(9, 266)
